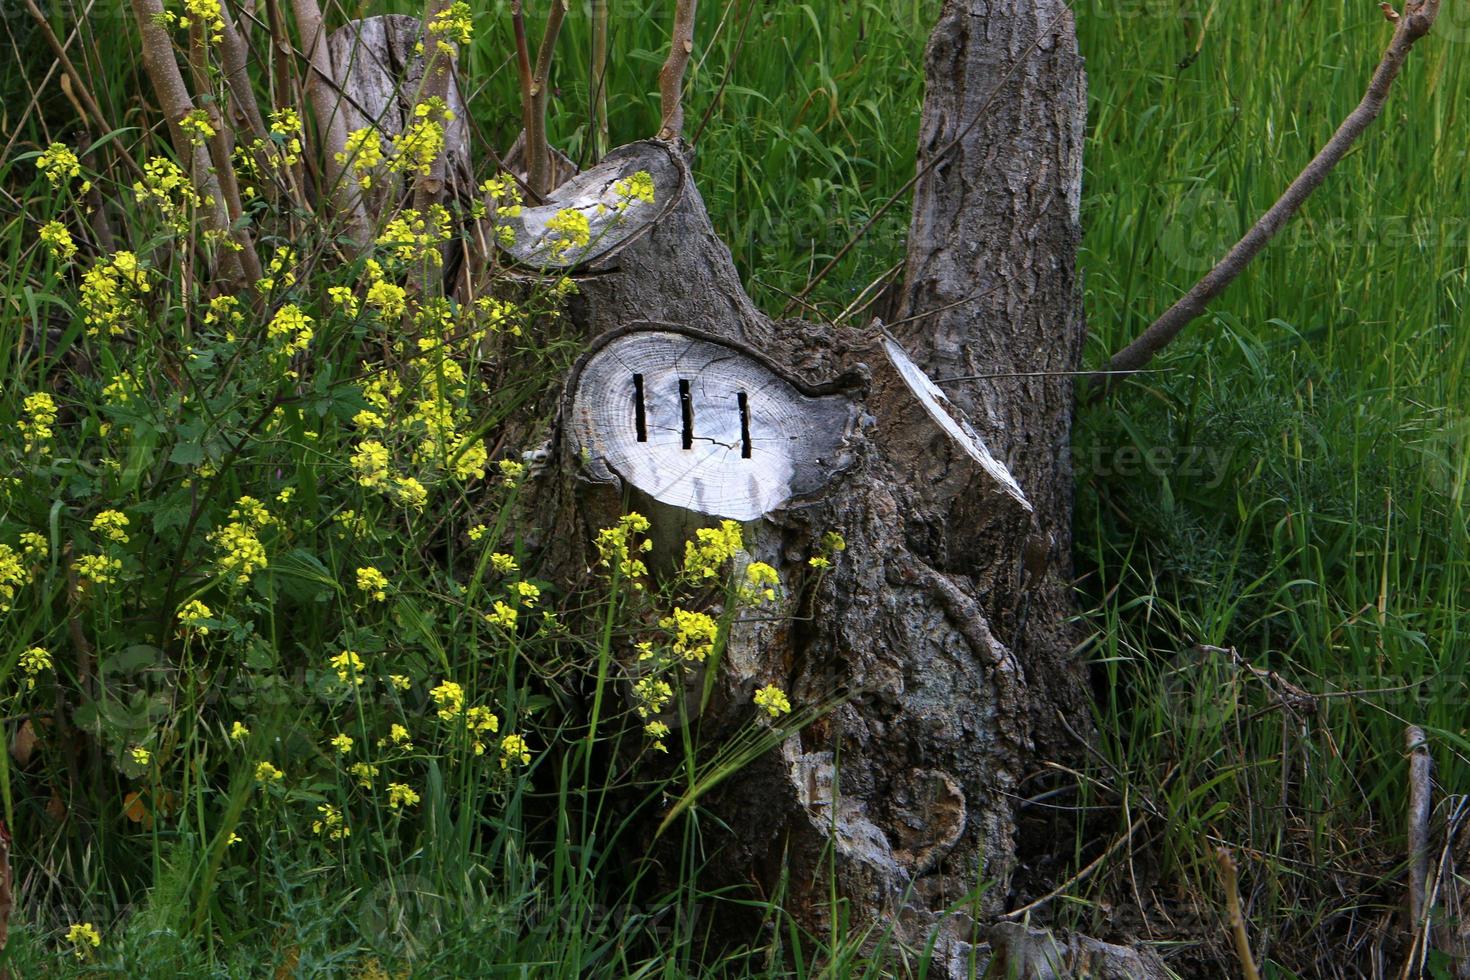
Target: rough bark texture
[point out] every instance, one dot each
(991, 288)
(938, 637)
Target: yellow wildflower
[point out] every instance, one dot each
(400, 795)
(112, 525)
(32, 662)
(773, 700)
(82, 935)
(58, 241)
(192, 615)
(348, 665)
(266, 773)
(373, 582)
(342, 743)
(513, 749)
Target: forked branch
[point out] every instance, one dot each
(671, 77)
(1415, 23)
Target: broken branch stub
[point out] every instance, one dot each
(701, 425)
(604, 195)
(939, 408)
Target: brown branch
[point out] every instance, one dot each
(1420, 769)
(539, 166)
(234, 55)
(598, 74)
(324, 92)
(173, 96)
(1416, 22)
(671, 76)
(1237, 918)
(221, 147)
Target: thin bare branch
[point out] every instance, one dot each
(671, 77)
(539, 166)
(598, 73)
(1416, 22)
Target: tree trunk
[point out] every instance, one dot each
(939, 637)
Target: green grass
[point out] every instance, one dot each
(1288, 480)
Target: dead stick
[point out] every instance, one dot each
(1237, 918)
(671, 76)
(1420, 769)
(1416, 22)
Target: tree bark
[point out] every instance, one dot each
(939, 640)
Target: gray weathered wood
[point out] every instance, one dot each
(380, 76)
(613, 218)
(718, 432)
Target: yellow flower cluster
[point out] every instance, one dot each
(342, 743)
(206, 15)
(35, 428)
(58, 241)
(197, 127)
(616, 549)
(97, 570)
(414, 237)
(711, 548)
(59, 164)
(502, 615)
(332, 823)
(454, 24)
(290, 329)
(694, 633)
(19, 568)
(364, 153)
(449, 697)
(373, 582)
(240, 551)
(513, 749)
(478, 722)
(195, 615)
(401, 795)
(111, 292)
(348, 666)
(224, 311)
(285, 131)
(773, 701)
(267, 773)
(167, 187)
(370, 464)
(830, 545)
(83, 935)
(634, 187)
(423, 139)
(760, 582)
(112, 525)
(32, 662)
(572, 230)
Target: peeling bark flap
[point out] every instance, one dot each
(940, 410)
(698, 424)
